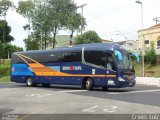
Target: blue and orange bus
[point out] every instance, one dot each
(103, 65)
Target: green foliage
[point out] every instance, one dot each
(4, 69)
(88, 37)
(6, 49)
(150, 55)
(5, 38)
(47, 17)
(4, 6)
(31, 44)
(74, 23)
(26, 8)
(5, 72)
(4, 32)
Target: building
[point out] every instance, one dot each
(61, 40)
(151, 34)
(64, 40)
(106, 41)
(131, 45)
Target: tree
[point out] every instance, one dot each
(4, 6)
(31, 43)
(88, 37)
(9, 49)
(47, 17)
(4, 32)
(4, 37)
(26, 9)
(74, 23)
(60, 10)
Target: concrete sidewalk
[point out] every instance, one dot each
(148, 81)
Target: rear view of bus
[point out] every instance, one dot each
(90, 65)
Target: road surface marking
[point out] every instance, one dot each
(110, 109)
(140, 91)
(68, 91)
(38, 95)
(90, 109)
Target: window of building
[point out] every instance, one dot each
(158, 43)
(146, 41)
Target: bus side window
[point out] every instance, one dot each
(54, 57)
(95, 57)
(110, 62)
(71, 56)
(16, 59)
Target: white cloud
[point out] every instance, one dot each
(17, 22)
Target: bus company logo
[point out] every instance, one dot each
(71, 68)
(13, 69)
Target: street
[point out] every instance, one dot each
(18, 99)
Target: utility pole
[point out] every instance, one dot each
(143, 48)
(81, 6)
(157, 19)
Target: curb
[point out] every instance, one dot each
(150, 81)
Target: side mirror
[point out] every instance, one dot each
(135, 55)
(119, 54)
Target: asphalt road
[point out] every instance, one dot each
(73, 102)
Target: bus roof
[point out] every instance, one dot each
(96, 46)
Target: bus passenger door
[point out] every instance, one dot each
(110, 70)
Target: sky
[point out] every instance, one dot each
(115, 20)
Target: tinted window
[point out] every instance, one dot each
(95, 57)
(49, 57)
(16, 59)
(71, 57)
(110, 64)
(46, 57)
(53, 57)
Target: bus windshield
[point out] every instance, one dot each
(125, 63)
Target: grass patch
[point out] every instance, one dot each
(5, 72)
(150, 70)
(5, 79)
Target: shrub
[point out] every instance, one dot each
(150, 55)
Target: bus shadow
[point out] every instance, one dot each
(70, 87)
(122, 90)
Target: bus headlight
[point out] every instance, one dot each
(120, 79)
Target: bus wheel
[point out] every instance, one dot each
(105, 88)
(89, 84)
(46, 85)
(29, 82)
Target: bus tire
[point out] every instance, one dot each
(46, 85)
(29, 82)
(89, 84)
